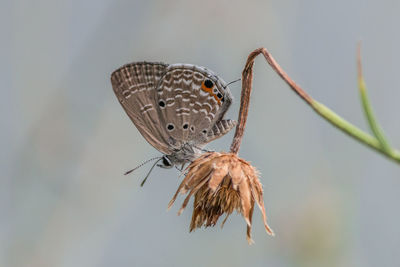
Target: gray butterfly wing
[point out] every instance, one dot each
(135, 87)
(190, 111)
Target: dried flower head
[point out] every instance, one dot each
(221, 183)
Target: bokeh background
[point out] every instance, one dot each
(66, 141)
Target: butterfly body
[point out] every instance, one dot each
(177, 108)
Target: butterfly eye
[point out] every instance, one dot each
(208, 83)
(166, 161)
(219, 95)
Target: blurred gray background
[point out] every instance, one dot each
(66, 141)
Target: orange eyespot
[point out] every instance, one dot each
(207, 86)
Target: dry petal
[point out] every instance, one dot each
(217, 176)
(221, 183)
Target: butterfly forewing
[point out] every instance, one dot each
(135, 86)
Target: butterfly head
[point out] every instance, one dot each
(166, 162)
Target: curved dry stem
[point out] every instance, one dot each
(247, 84)
(321, 109)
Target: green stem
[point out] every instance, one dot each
(353, 131)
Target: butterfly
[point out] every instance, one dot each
(177, 108)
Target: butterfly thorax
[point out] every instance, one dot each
(186, 154)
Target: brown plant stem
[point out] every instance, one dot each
(247, 84)
(376, 142)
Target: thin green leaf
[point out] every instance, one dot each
(369, 114)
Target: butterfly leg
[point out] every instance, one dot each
(182, 169)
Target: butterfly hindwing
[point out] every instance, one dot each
(188, 109)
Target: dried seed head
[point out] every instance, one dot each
(221, 183)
